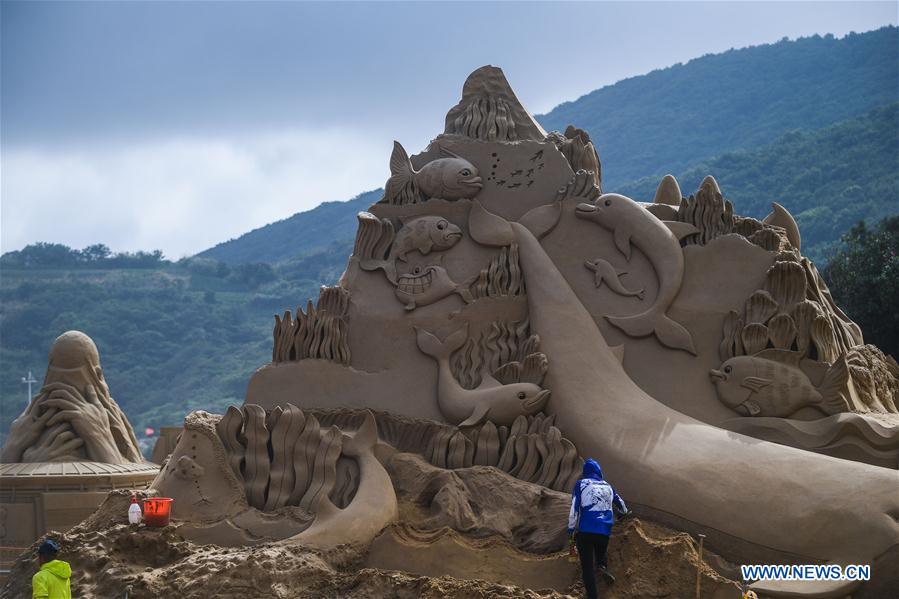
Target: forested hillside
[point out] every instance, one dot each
(670, 119)
(302, 234)
(829, 179)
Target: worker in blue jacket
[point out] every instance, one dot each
(593, 502)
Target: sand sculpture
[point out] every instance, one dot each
(68, 448)
(500, 311)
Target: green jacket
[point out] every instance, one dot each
(52, 581)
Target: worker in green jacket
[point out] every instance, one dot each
(52, 580)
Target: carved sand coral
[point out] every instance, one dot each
(785, 282)
(759, 307)
(782, 331)
(708, 211)
(580, 152)
(754, 338)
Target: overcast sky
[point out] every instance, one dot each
(179, 125)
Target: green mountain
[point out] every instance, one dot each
(668, 120)
(829, 179)
(303, 233)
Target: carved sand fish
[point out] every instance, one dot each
(660, 241)
(606, 272)
(501, 404)
(449, 178)
(424, 286)
(423, 234)
(771, 383)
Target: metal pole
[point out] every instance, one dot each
(699, 565)
(29, 381)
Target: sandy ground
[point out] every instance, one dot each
(110, 558)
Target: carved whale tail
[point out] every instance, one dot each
(669, 333)
(364, 439)
(400, 187)
(437, 349)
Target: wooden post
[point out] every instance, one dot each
(699, 565)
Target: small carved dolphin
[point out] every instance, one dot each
(606, 272)
(659, 240)
(491, 400)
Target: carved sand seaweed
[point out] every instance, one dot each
(319, 332)
(373, 237)
(488, 118)
(285, 458)
(708, 211)
(502, 277)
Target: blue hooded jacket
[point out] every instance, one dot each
(591, 503)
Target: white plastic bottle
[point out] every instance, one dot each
(134, 513)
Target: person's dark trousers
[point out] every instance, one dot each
(591, 548)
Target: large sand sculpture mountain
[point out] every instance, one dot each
(500, 319)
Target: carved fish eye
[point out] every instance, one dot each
(522, 395)
(727, 369)
(608, 202)
(465, 172)
(441, 225)
(417, 271)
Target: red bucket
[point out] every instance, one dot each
(157, 511)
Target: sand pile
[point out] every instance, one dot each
(471, 532)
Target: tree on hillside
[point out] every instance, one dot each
(864, 280)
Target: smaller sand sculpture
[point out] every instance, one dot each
(73, 417)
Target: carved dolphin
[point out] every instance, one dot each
(502, 404)
(694, 471)
(603, 271)
(660, 241)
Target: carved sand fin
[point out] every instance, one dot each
(477, 416)
(833, 386)
(400, 188)
(364, 438)
(623, 241)
(487, 228)
(668, 192)
(542, 219)
(755, 383)
(781, 217)
(679, 229)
